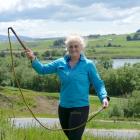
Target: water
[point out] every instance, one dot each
(120, 62)
(117, 63)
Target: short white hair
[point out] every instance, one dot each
(75, 38)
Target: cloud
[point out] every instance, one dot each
(45, 28)
(61, 17)
(38, 28)
(20, 5)
(109, 3)
(60, 11)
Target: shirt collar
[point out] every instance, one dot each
(82, 57)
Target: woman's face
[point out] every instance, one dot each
(74, 49)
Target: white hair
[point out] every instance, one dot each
(75, 38)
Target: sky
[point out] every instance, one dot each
(53, 18)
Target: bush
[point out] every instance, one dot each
(132, 108)
(116, 111)
(106, 62)
(122, 81)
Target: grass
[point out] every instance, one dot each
(38, 133)
(19, 107)
(128, 49)
(114, 125)
(8, 132)
(30, 96)
(35, 45)
(20, 110)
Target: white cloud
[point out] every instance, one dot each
(45, 28)
(39, 3)
(36, 28)
(7, 5)
(59, 18)
(20, 5)
(95, 12)
(130, 16)
(59, 10)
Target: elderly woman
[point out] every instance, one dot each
(76, 73)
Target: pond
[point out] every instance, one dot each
(120, 62)
(117, 63)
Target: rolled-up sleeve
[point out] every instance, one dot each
(44, 68)
(97, 82)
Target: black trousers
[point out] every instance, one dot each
(72, 117)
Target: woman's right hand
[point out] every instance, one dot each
(30, 54)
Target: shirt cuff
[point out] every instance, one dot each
(33, 59)
(108, 98)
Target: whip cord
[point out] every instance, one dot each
(24, 100)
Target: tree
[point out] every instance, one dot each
(126, 80)
(128, 38)
(132, 108)
(106, 62)
(2, 54)
(109, 45)
(137, 36)
(116, 111)
(138, 31)
(58, 43)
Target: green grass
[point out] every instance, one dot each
(19, 107)
(114, 125)
(14, 95)
(114, 52)
(8, 132)
(38, 133)
(114, 40)
(39, 45)
(20, 110)
(128, 49)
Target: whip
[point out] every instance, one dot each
(24, 100)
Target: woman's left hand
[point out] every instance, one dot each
(105, 103)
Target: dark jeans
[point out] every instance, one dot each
(72, 117)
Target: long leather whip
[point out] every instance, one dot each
(24, 100)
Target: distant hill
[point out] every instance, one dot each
(26, 38)
(90, 36)
(5, 38)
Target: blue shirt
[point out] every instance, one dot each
(75, 82)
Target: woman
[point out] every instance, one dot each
(76, 73)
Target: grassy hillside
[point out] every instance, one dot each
(42, 103)
(127, 49)
(39, 45)
(46, 104)
(121, 48)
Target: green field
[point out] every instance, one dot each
(14, 95)
(50, 110)
(95, 47)
(128, 49)
(12, 133)
(10, 96)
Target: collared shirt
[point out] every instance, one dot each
(75, 81)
